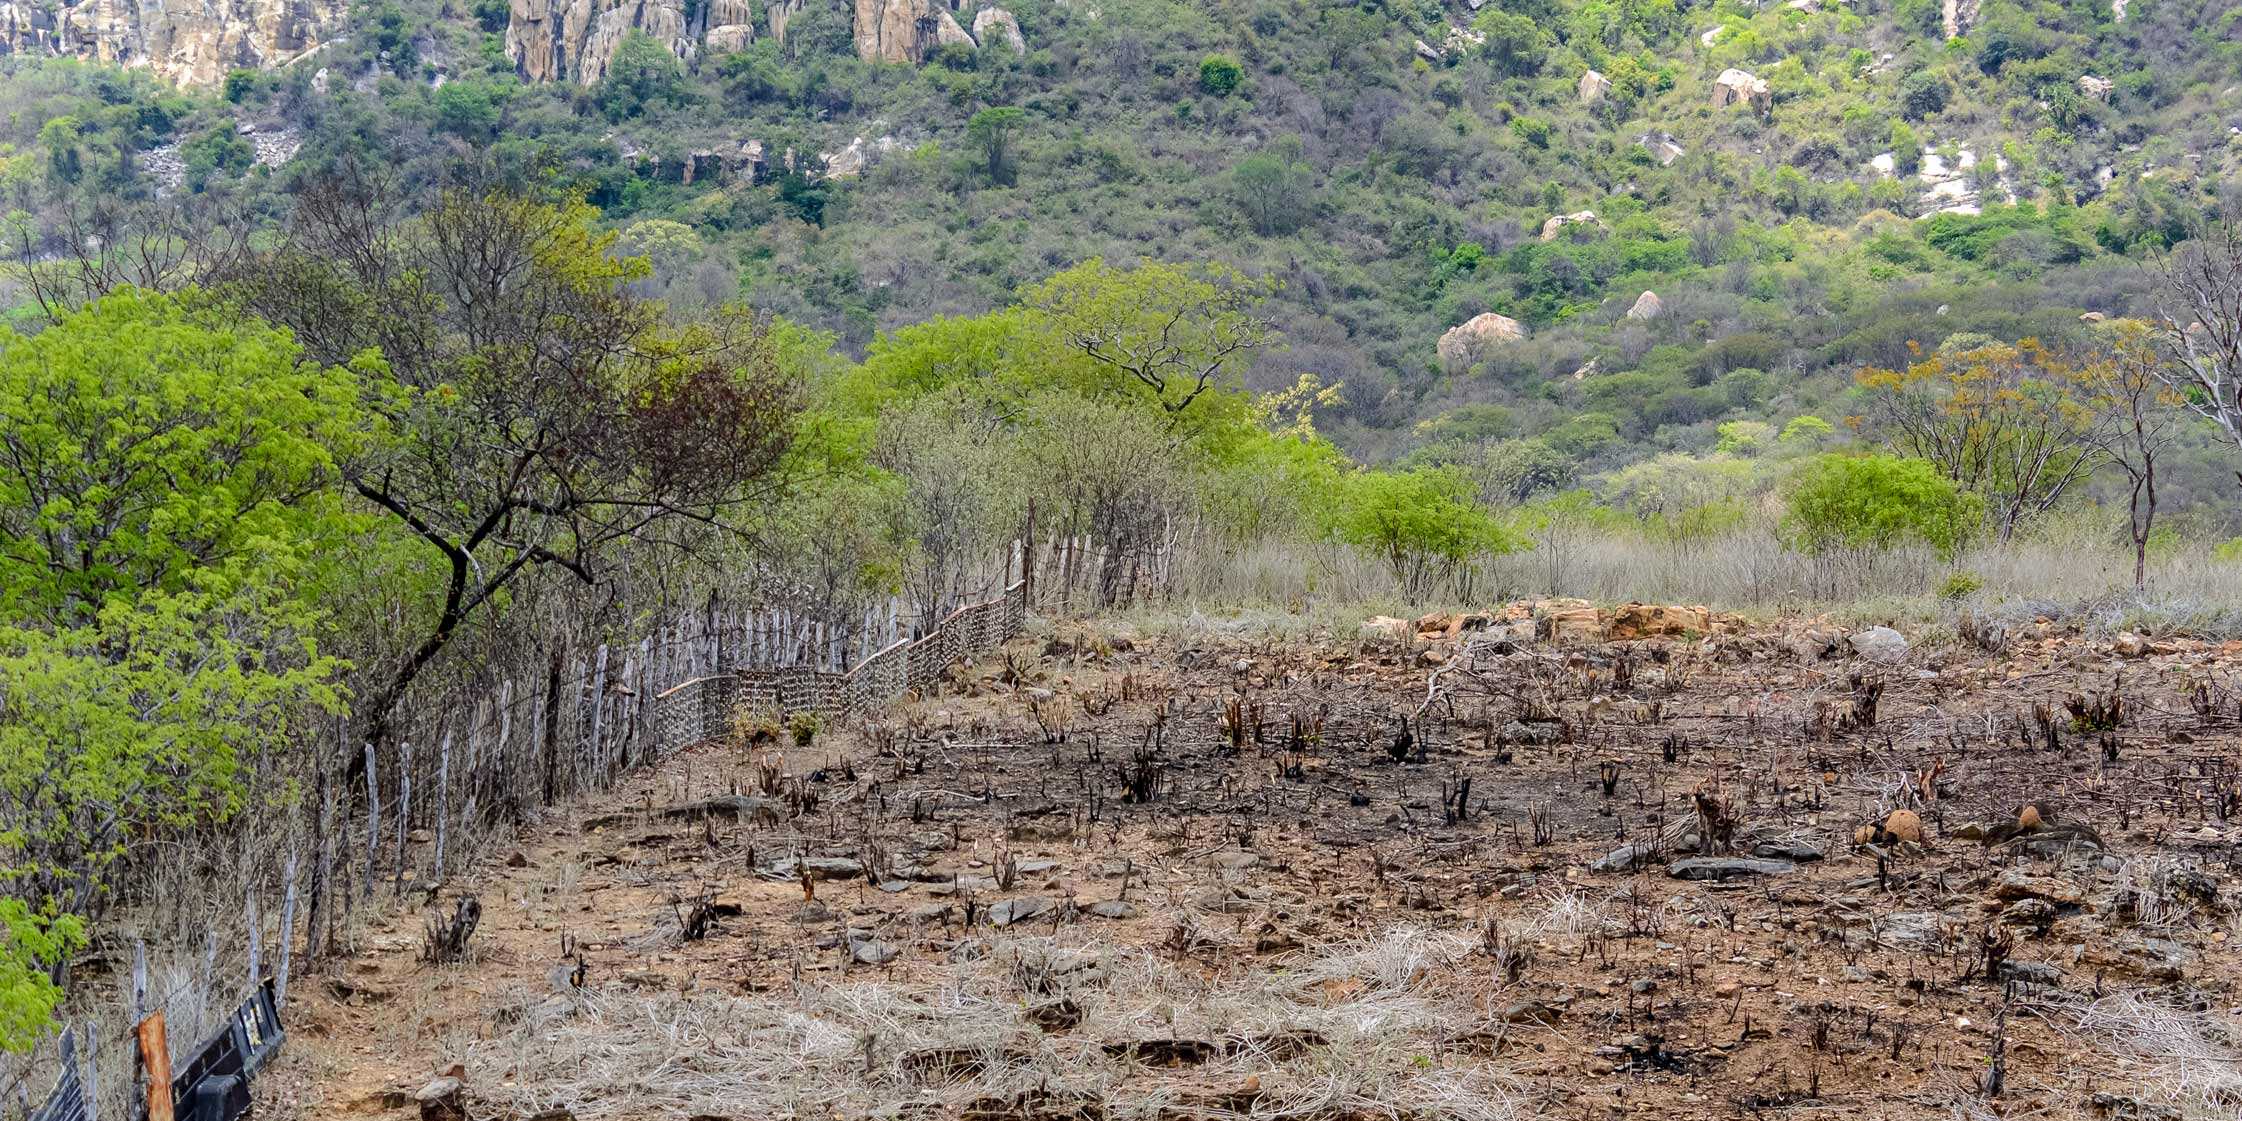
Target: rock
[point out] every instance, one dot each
(1557, 222)
(1911, 930)
(791, 869)
(2128, 644)
(1625, 858)
(1593, 87)
(1530, 1012)
(999, 23)
(1735, 87)
(897, 31)
(873, 952)
(1882, 645)
(2017, 883)
(2031, 914)
(2031, 972)
(576, 40)
(2116, 1107)
(1113, 909)
(1796, 851)
(1009, 911)
(1712, 35)
(2096, 88)
(1428, 52)
(1463, 346)
(1959, 16)
(1647, 306)
(948, 33)
(1571, 620)
(440, 1100)
(1641, 620)
(1727, 867)
(190, 44)
(1539, 733)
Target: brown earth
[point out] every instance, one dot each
(1238, 876)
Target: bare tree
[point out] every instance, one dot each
(542, 415)
(69, 248)
(2129, 387)
(2199, 324)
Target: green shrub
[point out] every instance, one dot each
(1960, 586)
(1874, 502)
(1220, 75)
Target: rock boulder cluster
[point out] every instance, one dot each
(575, 40)
(191, 44)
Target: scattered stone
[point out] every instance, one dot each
(1531, 1012)
(873, 952)
(1557, 223)
(1798, 851)
(1113, 909)
(1736, 87)
(791, 869)
(1625, 858)
(1593, 87)
(2031, 972)
(1009, 911)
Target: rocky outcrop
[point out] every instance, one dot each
(1557, 222)
(998, 23)
(1593, 87)
(575, 40)
(1647, 306)
(1735, 87)
(780, 12)
(901, 31)
(2096, 88)
(1959, 16)
(947, 32)
(193, 45)
(1464, 345)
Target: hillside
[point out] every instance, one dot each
(1401, 168)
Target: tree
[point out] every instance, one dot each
(2126, 385)
(1220, 75)
(1423, 524)
(1174, 332)
(543, 415)
(1515, 44)
(992, 130)
(1869, 503)
(1274, 189)
(642, 75)
(2002, 421)
(167, 482)
(2199, 326)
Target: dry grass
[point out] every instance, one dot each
(2163, 1052)
(1363, 1028)
(2085, 577)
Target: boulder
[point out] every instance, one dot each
(897, 31)
(1896, 827)
(1010, 911)
(2096, 88)
(1593, 87)
(1647, 306)
(1386, 627)
(948, 33)
(1881, 645)
(1465, 345)
(1736, 87)
(1625, 858)
(1428, 52)
(999, 24)
(1557, 222)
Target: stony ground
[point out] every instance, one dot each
(1504, 866)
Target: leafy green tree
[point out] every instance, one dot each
(1424, 524)
(992, 131)
(1869, 503)
(1274, 189)
(468, 108)
(1220, 75)
(168, 482)
(642, 76)
(1515, 44)
(1175, 333)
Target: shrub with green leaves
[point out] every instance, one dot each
(1869, 503)
(1424, 524)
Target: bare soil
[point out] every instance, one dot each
(1225, 875)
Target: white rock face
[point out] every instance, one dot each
(191, 44)
(999, 23)
(1464, 345)
(1557, 222)
(1593, 87)
(1735, 87)
(1647, 306)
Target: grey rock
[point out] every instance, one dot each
(874, 952)
(1530, 1012)
(819, 868)
(1009, 911)
(2031, 972)
(1882, 645)
(1113, 909)
(1727, 867)
(1798, 851)
(1625, 858)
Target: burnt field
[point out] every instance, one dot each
(1476, 867)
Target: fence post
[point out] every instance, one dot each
(93, 1071)
(443, 800)
(404, 808)
(373, 821)
(287, 924)
(599, 709)
(256, 925)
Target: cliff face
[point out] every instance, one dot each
(574, 40)
(191, 44)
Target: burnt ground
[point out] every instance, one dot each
(1224, 875)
